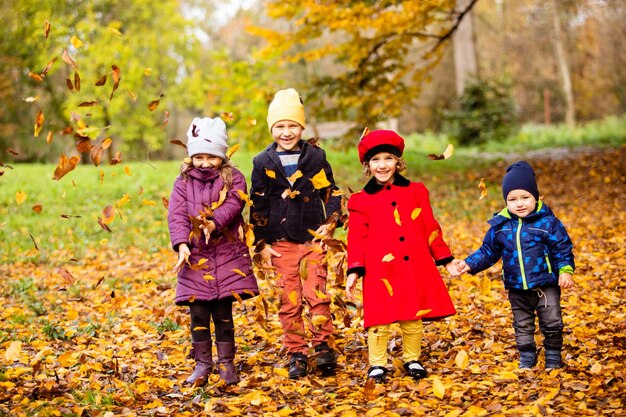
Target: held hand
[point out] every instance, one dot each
(463, 266)
(350, 284)
(183, 256)
(266, 255)
(453, 267)
(566, 280)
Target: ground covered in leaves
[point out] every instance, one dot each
(101, 336)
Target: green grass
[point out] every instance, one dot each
(67, 229)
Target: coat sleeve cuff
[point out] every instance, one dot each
(360, 270)
(567, 268)
(444, 261)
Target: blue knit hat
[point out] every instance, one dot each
(520, 176)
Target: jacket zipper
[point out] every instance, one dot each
(549, 265)
(520, 256)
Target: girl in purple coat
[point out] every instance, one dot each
(214, 266)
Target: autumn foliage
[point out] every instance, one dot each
(100, 335)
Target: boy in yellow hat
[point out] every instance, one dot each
(287, 205)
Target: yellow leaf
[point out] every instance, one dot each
(236, 295)
(127, 171)
(72, 314)
(281, 372)
(249, 237)
(462, 359)
(433, 236)
(295, 176)
(114, 31)
(147, 71)
(319, 180)
(125, 199)
(320, 295)
(198, 328)
(448, 152)
(13, 351)
(20, 196)
(148, 203)
(315, 234)
(596, 368)
(506, 375)
(416, 212)
(482, 188)
(77, 43)
(244, 197)
(365, 132)
(270, 173)
(222, 198)
(319, 320)
(232, 150)
(240, 272)
(396, 216)
(293, 297)
(208, 277)
(423, 312)
(485, 285)
(388, 258)
(388, 285)
(438, 388)
(453, 413)
(202, 261)
(187, 161)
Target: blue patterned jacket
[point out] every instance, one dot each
(534, 250)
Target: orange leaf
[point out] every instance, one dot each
(433, 236)
(482, 188)
(37, 208)
(270, 173)
(388, 285)
(293, 297)
(108, 214)
(415, 213)
(65, 165)
(240, 272)
(38, 122)
(295, 176)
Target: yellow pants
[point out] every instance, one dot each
(378, 339)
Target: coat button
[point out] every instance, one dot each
(393, 203)
(401, 238)
(406, 258)
(388, 187)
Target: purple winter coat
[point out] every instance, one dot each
(225, 251)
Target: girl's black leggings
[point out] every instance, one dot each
(222, 313)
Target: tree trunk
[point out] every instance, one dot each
(570, 117)
(464, 51)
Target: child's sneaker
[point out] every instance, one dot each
(297, 365)
(326, 358)
(553, 359)
(377, 373)
(527, 359)
(415, 370)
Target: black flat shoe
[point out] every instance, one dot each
(377, 373)
(415, 370)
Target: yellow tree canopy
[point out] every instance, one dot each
(376, 53)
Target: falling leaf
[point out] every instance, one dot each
(167, 117)
(439, 390)
(34, 241)
(127, 171)
(319, 180)
(31, 99)
(35, 77)
(182, 145)
(49, 137)
(244, 197)
(222, 198)
(199, 328)
(482, 188)
(270, 173)
(232, 150)
(295, 176)
(38, 122)
(108, 214)
(445, 155)
(101, 81)
(153, 104)
(388, 258)
(48, 67)
(252, 122)
(388, 285)
(315, 234)
(433, 236)
(227, 116)
(104, 225)
(461, 359)
(13, 351)
(114, 31)
(148, 203)
(117, 77)
(20, 197)
(293, 297)
(37, 208)
(415, 213)
(77, 43)
(165, 202)
(319, 320)
(68, 59)
(365, 132)
(240, 272)
(208, 277)
(237, 296)
(46, 29)
(396, 216)
(122, 201)
(65, 165)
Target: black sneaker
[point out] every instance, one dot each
(326, 358)
(377, 373)
(415, 370)
(297, 365)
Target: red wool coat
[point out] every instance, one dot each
(394, 239)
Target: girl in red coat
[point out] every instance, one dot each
(395, 244)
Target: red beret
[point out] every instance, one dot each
(380, 141)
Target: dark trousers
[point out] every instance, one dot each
(222, 313)
(545, 304)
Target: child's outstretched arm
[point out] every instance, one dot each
(487, 255)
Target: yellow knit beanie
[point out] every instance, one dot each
(286, 105)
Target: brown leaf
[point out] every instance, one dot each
(48, 67)
(37, 208)
(68, 59)
(39, 119)
(178, 143)
(101, 81)
(65, 165)
(104, 225)
(88, 103)
(46, 29)
(117, 77)
(35, 77)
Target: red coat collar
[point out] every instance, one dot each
(372, 187)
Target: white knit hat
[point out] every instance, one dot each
(208, 136)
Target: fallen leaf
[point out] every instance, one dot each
(462, 359)
(13, 351)
(439, 390)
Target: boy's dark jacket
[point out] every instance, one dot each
(277, 216)
(546, 248)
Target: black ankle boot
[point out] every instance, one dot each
(326, 358)
(297, 365)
